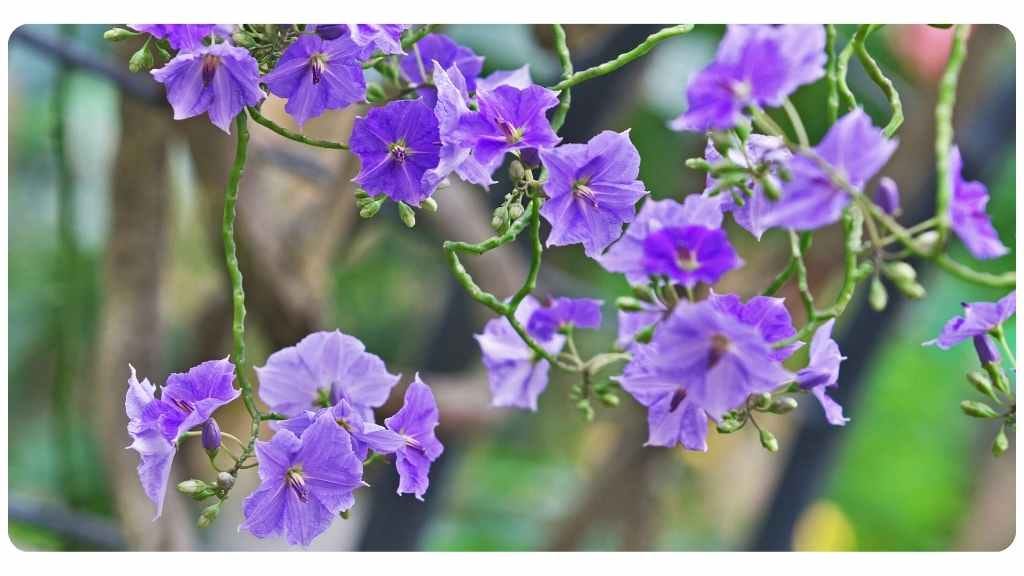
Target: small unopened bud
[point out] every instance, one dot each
(225, 481)
(609, 399)
(981, 383)
(878, 298)
(406, 214)
(769, 441)
(211, 437)
(1000, 444)
(375, 94)
(370, 209)
(978, 409)
(141, 60)
(927, 241)
(430, 204)
(516, 211)
(698, 164)
(516, 171)
(986, 349)
(529, 157)
(628, 304)
(728, 425)
(887, 196)
(643, 292)
(586, 409)
(208, 515)
(762, 401)
(783, 405)
(644, 336)
(912, 290)
(119, 34)
(243, 39)
(901, 272)
(771, 188)
(500, 218)
(192, 486)
(361, 194)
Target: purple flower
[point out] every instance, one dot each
(365, 435)
(689, 254)
(769, 315)
(822, 372)
(979, 319)
(317, 75)
(518, 78)
(516, 376)
(415, 423)
(887, 196)
(701, 362)
(592, 191)
(631, 323)
(563, 312)
(986, 349)
(765, 152)
(304, 482)
(219, 79)
(967, 213)
(416, 65)
(184, 36)
(855, 149)
(397, 146)
(321, 370)
(507, 119)
(211, 435)
(385, 38)
(155, 424)
(452, 105)
(755, 65)
(627, 255)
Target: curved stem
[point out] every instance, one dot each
(624, 58)
(536, 249)
(282, 131)
(798, 124)
(832, 74)
(944, 128)
(565, 98)
(842, 69)
(875, 73)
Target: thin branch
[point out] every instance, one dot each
(624, 58)
(281, 130)
(944, 129)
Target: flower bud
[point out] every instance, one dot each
(644, 336)
(243, 39)
(986, 349)
(361, 194)
(586, 409)
(192, 486)
(900, 272)
(728, 425)
(628, 304)
(912, 290)
(981, 383)
(208, 515)
(406, 214)
(430, 204)
(878, 298)
(978, 409)
(698, 164)
(141, 60)
(997, 377)
(529, 157)
(927, 241)
(225, 481)
(516, 171)
(769, 441)
(516, 211)
(370, 209)
(762, 401)
(211, 437)
(783, 405)
(609, 399)
(119, 34)
(375, 94)
(770, 187)
(887, 196)
(500, 218)
(643, 292)
(1000, 444)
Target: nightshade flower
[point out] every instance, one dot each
(689, 254)
(155, 424)
(386, 38)
(768, 314)
(754, 65)
(417, 69)
(321, 370)
(855, 150)
(518, 78)
(627, 256)
(631, 323)
(317, 75)
(507, 119)
(516, 375)
(563, 312)
(979, 319)
(822, 372)
(304, 482)
(365, 435)
(415, 423)
(219, 80)
(700, 362)
(452, 105)
(592, 190)
(184, 36)
(397, 146)
(765, 152)
(967, 213)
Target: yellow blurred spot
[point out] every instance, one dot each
(824, 528)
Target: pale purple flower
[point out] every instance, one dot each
(518, 78)
(592, 191)
(155, 423)
(516, 375)
(416, 64)
(986, 350)
(398, 146)
(321, 370)
(689, 254)
(700, 362)
(219, 80)
(967, 213)
(364, 434)
(755, 65)
(560, 313)
(887, 196)
(766, 153)
(855, 150)
(415, 423)
(631, 323)
(627, 255)
(304, 482)
(452, 104)
(507, 119)
(979, 319)
(768, 314)
(316, 75)
(822, 372)
(383, 38)
(184, 36)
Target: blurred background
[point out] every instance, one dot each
(115, 257)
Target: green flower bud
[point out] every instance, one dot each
(516, 171)
(643, 292)
(204, 493)
(644, 336)
(586, 409)
(345, 514)
(430, 204)
(192, 486)
(728, 425)
(243, 39)
(1000, 444)
(978, 409)
(141, 60)
(406, 214)
(911, 290)
(609, 399)
(698, 164)
(900, 272)
(769, 441)
(997, 377)
(500, 218)
(119, 34)
(370, 209)
(763, 401)
(783, 405)
(771, 189)
(361, 194)
(927, 241)
(209, 514)
(878, 298)
(375, 94)
(981, 383)
(516, 211)
(628, 304)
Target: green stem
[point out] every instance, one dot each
(842, 69)
(281, 130)
(624, 58)
(536, 249)
(1001, 338)
(831, 74)
(565, 98)
(796, 242)
(944, 128)
(781, 279)
(798, 125)
(878, 76)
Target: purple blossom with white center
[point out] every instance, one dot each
(755, 65)
(415, 423)
(507, 119)
(690, 254)
(563, 312)
(220, 80)
(631, 323)
(765, 152)
(365, 435)
(967, 213)
(517, 377)
(397, 145)
(155, 424)
(316, 75)
(855, 149)
(887, 196)
(768, 314)
(416, 65)
(304, 482)
(452, 105)
(184, 36)
(627, 255)
(979, 319)
(321, 370)
(592, 191)
(700, 362)
(822, 372)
